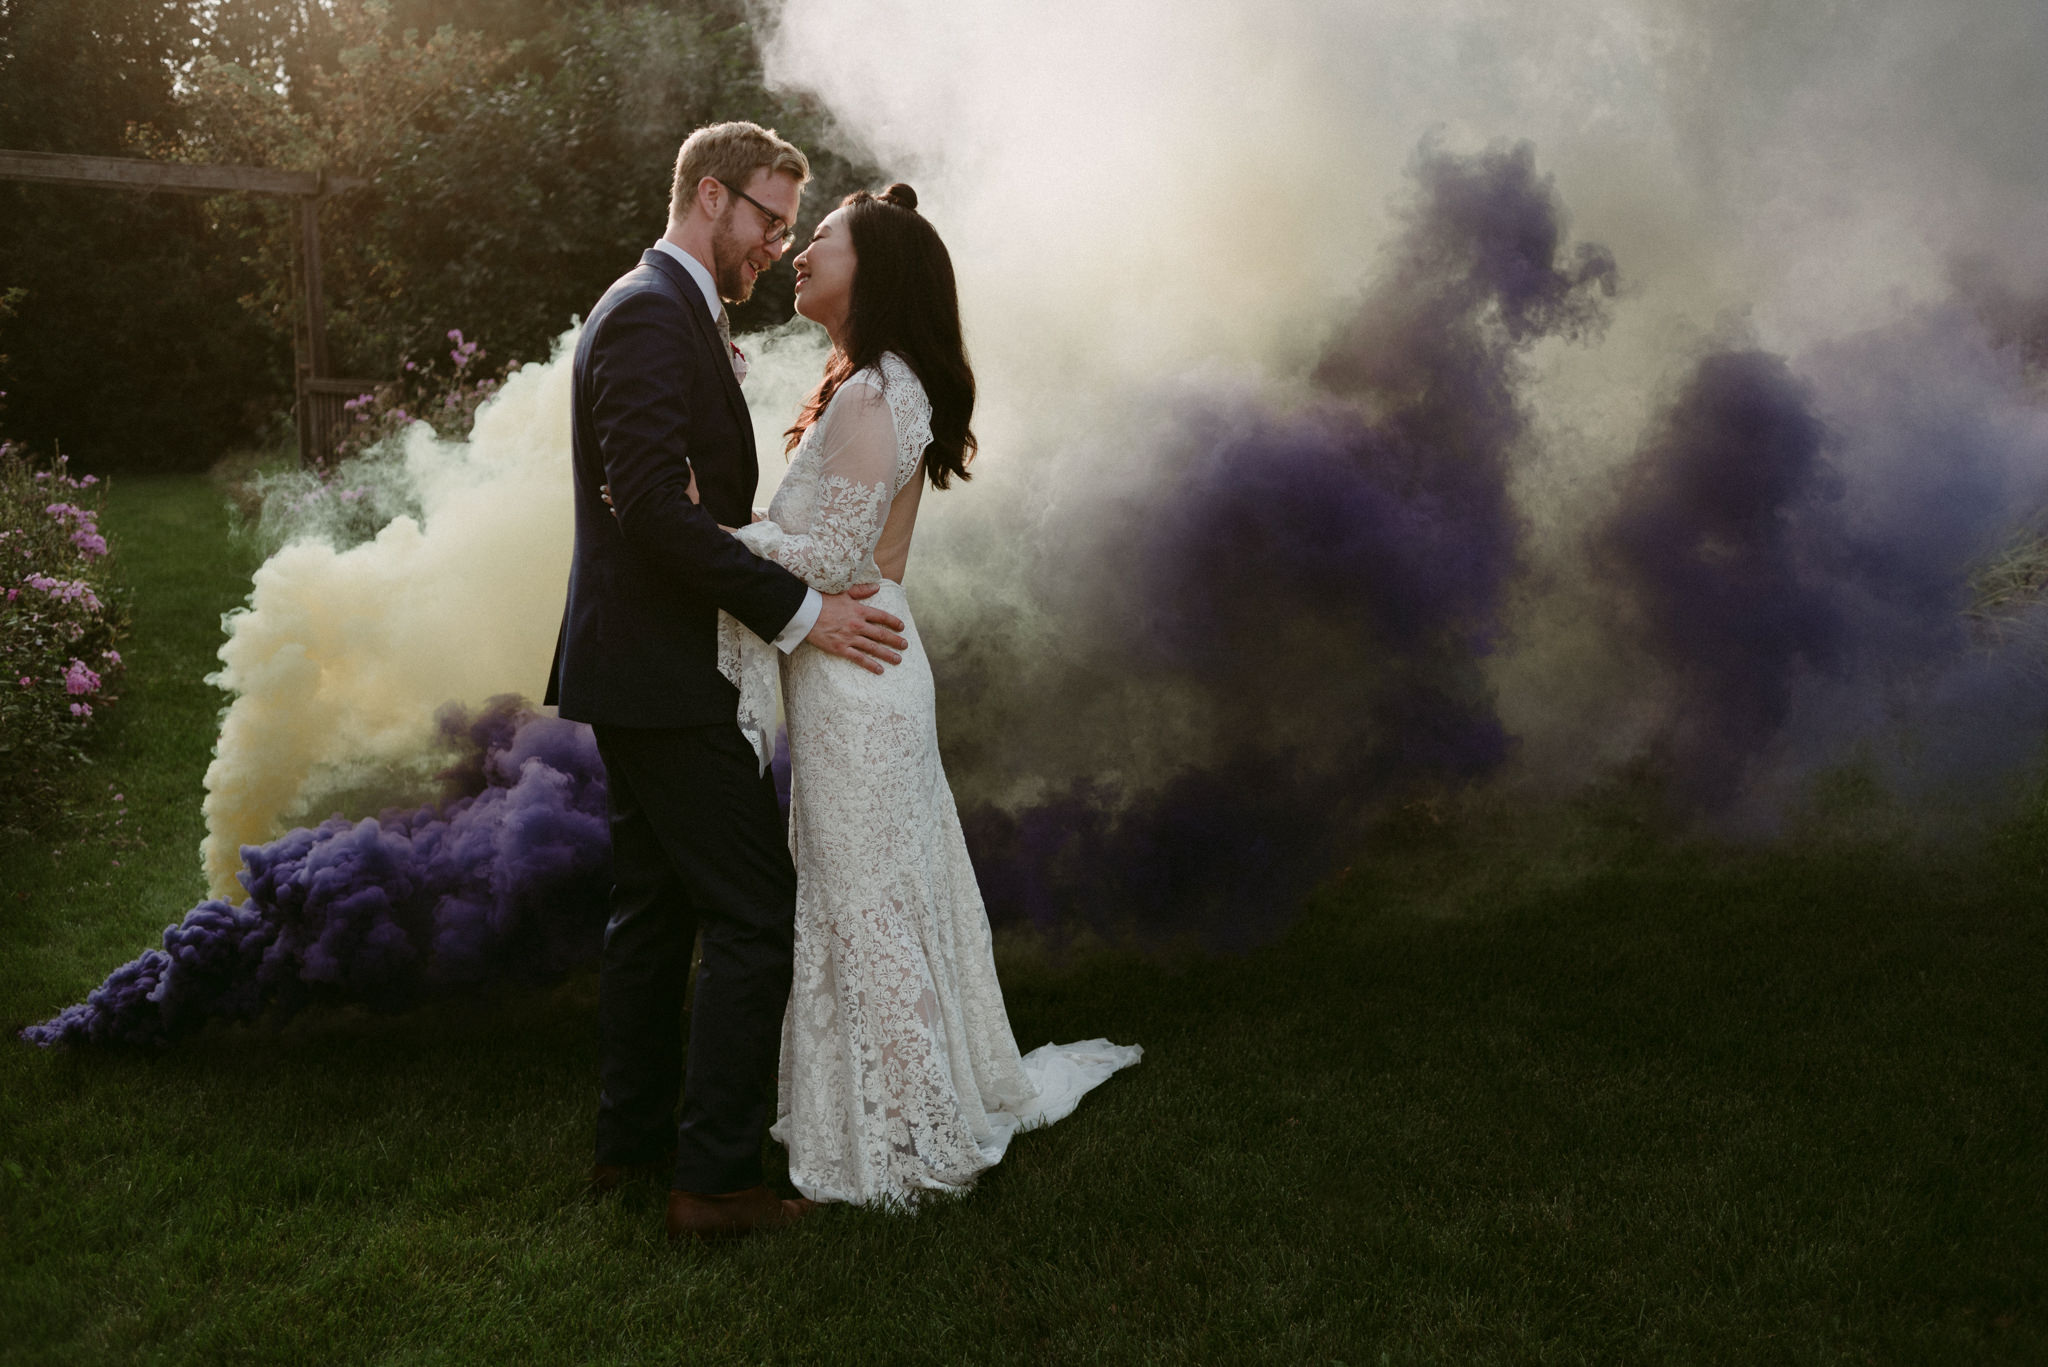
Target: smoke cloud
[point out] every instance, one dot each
(1747, 495)
(343, 655)
(1307, 603)
(505, 879)
(1728, 534)
(1376, 400)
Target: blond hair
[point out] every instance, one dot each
(731, 152)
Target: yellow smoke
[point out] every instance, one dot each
(342, 656)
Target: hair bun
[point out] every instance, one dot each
(900, 195)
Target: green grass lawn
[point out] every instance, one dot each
(1540, 1089)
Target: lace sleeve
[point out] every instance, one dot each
(856, 480)
(913, 413)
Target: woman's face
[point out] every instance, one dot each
(824, 275)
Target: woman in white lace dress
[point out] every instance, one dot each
(899, 1072)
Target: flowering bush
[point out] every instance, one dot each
(424, 391)
(59, 623)
(360, 486)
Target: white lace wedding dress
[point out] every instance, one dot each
(899, 1072)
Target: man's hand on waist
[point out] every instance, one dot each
(848, 627)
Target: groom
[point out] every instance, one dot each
(698, 841)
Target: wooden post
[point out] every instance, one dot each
(316, 307)
(313, 439)
(321, 393)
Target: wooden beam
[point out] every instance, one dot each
(317, 402)
(130, 173)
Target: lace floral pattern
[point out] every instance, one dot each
(837, 552)
(827, 515)
(899, 1073)
(910, 409)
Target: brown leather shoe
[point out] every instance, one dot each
(731, 1215)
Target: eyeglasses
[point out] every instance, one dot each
(778, 231)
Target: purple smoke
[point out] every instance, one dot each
(1797, 547)
(1941, 432)
(1321, 586)
(1729, 531)
(505, 879)
(2013, 317)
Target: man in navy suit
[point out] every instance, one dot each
(698, 841)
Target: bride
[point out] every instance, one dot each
(899, 1073)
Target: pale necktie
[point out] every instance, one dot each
(739, 358)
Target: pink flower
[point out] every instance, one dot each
(13, 594)
(89, 540)
(81, 709)
(66, 590)
(89, 479)
(27, 682)
(79, 679)
(112, 657)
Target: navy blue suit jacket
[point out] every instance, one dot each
(654, 397)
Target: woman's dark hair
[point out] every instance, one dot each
(904, 301)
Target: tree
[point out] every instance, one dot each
(350, 113)
(519, 154)
(513, 207)
(511, 182)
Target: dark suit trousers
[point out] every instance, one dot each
(698, 842)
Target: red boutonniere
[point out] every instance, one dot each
(739, 364)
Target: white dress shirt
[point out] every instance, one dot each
(806, 616)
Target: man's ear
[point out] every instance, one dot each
(709, 193)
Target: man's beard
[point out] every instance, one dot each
(728, 262)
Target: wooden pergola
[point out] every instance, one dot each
(320, 394)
